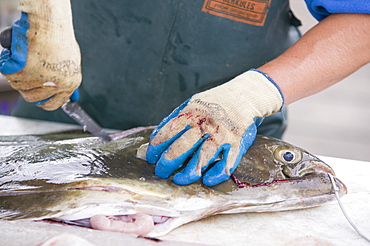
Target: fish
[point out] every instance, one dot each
(77, 179)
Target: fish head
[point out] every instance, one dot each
(282, 176)
(270, 159)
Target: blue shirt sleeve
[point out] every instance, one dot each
(320, 9)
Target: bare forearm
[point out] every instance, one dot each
(329, 52)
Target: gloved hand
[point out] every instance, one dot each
(220, 122)
(44, 61)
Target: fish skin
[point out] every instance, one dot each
(70, 177)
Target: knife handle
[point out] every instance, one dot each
(6, 37)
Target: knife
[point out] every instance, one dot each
(73, 110)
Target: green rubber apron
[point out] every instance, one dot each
(141, 59)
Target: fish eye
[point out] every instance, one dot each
(287, 155)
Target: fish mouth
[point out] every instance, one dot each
(242, 184)
(288, 174)
(310, 168)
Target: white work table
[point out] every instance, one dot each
(324, 225)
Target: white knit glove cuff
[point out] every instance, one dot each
(249, 95)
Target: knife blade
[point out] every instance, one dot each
(73, 110)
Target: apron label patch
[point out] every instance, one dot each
(252, 12)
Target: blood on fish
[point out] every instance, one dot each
(241, 184)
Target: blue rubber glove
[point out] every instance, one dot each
(14, 59)
(73, 98)
(218, 123)
(44, 61)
